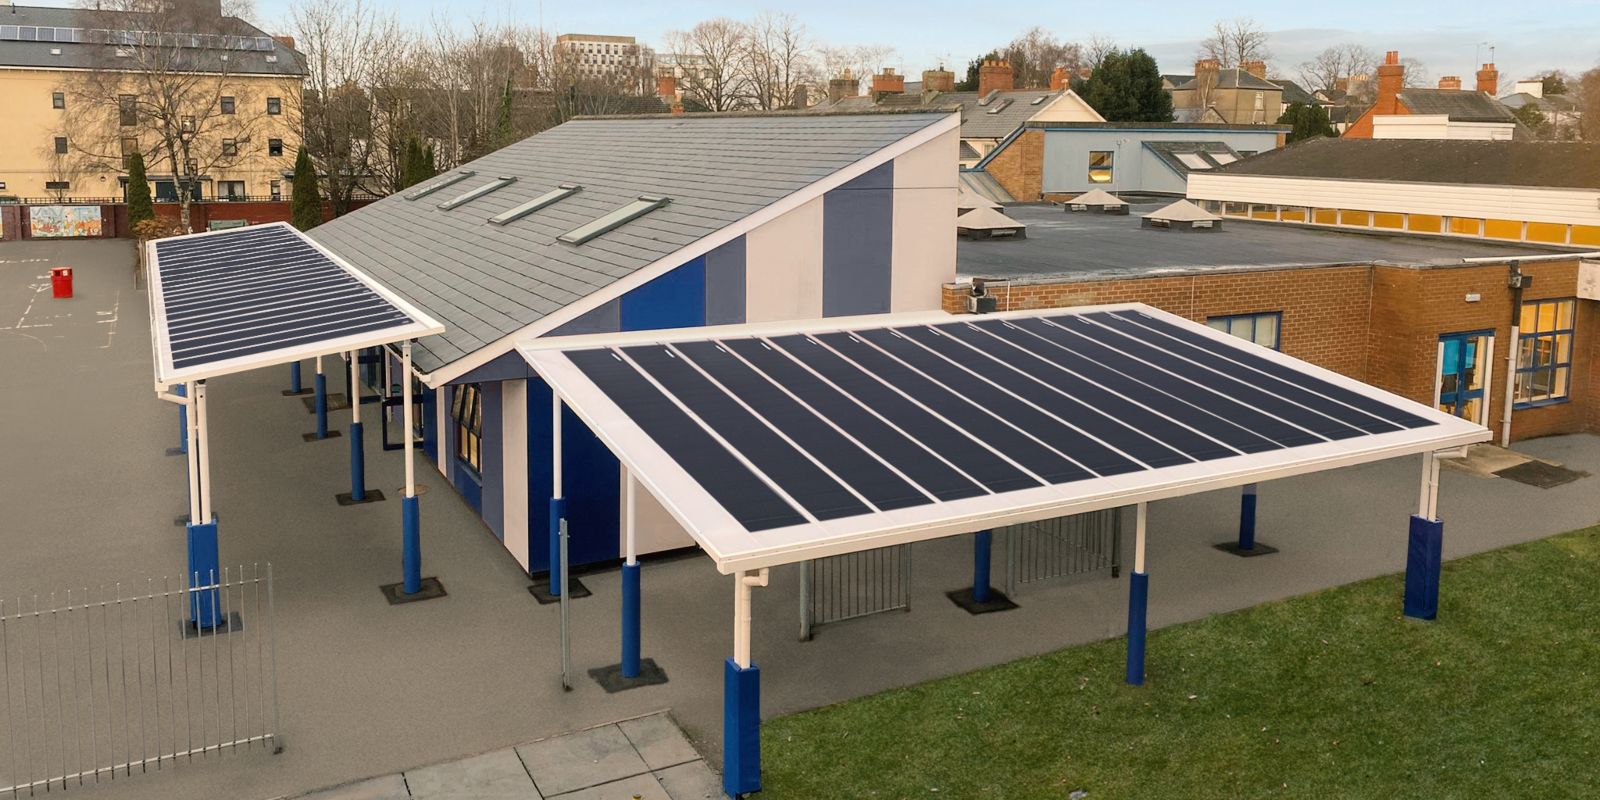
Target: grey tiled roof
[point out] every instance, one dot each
(1461, 106)
(1233, 79)
(1292, 93)
(485, 282)
(82, 55)
(1016, 107)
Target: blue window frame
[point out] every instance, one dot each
(1262, 328)
(1544, 352)
(468, 415)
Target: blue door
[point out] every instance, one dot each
(1463, 370)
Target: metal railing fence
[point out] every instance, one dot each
(853, 585)
(1055, 548)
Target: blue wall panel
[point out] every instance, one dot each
(493, 508)
(430, 422)
(604, 319)
(857, 243)
(509, 366)
(590, 475)
(538, 475)
(725, 284)
(674, 300)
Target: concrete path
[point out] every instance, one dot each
(646, 758)
(87, 496)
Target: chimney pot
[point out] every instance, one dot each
(1256, 68)
(1391, 80)
(938, 80)
(1489, 79)
(995, 75)
(1060, 79)
(888, 82)
(1450, 82)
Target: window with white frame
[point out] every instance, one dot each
(1263, 328)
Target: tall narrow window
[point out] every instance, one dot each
(230, 147)
(1544, 352)
(127, 110)
(130, 146)
(274, 105)
(468, 414)
(1101, 163)
(61, 145)
(58, 100)
(274, 147)
(227, 105)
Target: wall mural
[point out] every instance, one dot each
(56, 222)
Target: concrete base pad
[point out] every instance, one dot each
(997, 601)
(336, 402)
(611, 679)
(232, 624)
(541, 591)
(395, 592)
(1234, 548)
(312, 437)
(372, 496)
(301, 393)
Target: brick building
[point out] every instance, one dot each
(1428, 319)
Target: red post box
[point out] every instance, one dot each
(61, 282)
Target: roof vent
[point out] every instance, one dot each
(1040, 99)
(272, 58)
(1000, 106)
(616, 219)
(988, 98)
(55, 51)
(440, 184)
(473, 194)
(515, 213)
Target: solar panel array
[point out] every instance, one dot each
(788, 429)
(259, 289)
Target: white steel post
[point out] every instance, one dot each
(743, 583)
(204, 441)
(631, 542)
(355, 390)
(1141, 517)
(194, 454)
(405, 415)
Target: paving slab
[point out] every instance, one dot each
(691, 781)
(638, 787)
(385, 787)
(499, 775)
(659, 740)
(581, 760)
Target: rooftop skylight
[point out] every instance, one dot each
(473, 194)
(518, 212)
(440, 184)
(616, 219)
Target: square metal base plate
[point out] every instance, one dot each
(177, 451)
(541, 591)
(301, 393)
(997, 601)
(1234, 548)
(395, 593)
(372, 496)
(610, 678)
(232, 624)
(336, 402)
(313, 437)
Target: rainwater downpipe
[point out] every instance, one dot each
(1517, 281)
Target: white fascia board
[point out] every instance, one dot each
(699, 247)
(161, 346)
(737, 331)
(735, 549)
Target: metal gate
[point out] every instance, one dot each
(1054, 548)
(105, 683)
(852, 585)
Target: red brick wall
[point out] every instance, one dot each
(1380, 325)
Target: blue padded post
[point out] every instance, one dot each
(183, 420)
(294, 379)
(1423, 558)
(358, 464)
(1138, 602)
(558, 510)
(980, 566)
(630, 620)
(203, 571)
(1247, 518)
(411, 544)
(322, 406)
(741, 729)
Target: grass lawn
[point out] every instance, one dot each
(1329, 695)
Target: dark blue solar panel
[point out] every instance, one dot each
(793, 472)
(750, 500)
(256, 290)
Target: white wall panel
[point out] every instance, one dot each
(783, 266)
(655, 530)
(1567, 206)
(514, 428)
(441, 413)
(923, 246)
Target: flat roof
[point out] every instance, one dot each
(773, 445)
(1087, 245)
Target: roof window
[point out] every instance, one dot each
(440, 184)
(473, 194)
(616, 219)
(515, 213)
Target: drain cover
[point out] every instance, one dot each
(1541, 474)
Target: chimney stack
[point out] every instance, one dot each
(938, 80)
(1391, 79)
(1489, 79)
(286, 41)
(887, 82)
(1256, 68)
(802, 96)
(1060, 79)
(1450, 82)
(667, 86)
(845, 85)
(994, 76)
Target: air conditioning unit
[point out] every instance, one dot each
(983, 304)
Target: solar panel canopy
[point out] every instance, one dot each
(243, 298)
(774, 444)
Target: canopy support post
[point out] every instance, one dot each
(183, 424)
(1425, 550)
(630, 584)
(358, 444)
(1138, 598)
(741, 697)
(412, 585)
(982, 598)
(558, 584)
(201, 532)
(322, 401)
(1247, 546)
(296, 387)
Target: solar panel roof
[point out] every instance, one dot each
(776, 444)
(232, 300)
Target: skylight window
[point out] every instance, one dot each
(616, 219)
(1224, 158)
(473, 194)
(1040, 99)
(1000, 106)
(440, 184)
(1194, 161)
(514, 213)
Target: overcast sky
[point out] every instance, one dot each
(1446, 36)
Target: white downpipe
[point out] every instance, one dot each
(555, 444)
(1488, 380)
(1511, 386)
(193, 422)
(203, 443)
(743, 582)
(629, 516)
(355, 390)
(405, 415)
(1141, 521)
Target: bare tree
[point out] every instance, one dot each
(1097, 47)
(1587, 91)
(1035, 54)
(861, 60)
(162, 71)
(1337, 63)
(716, 49)
(1233, 42)
(777, 59)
